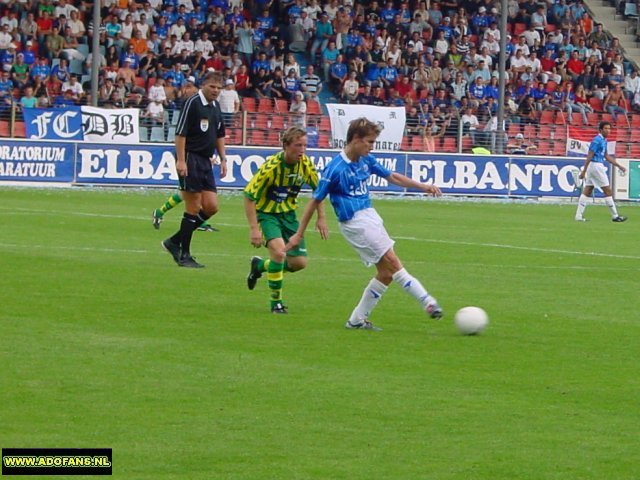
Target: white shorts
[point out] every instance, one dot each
(366, 233)
(597, 175)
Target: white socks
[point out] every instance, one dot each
(411, 285)
(370, 298)
(612, 206)
(582, 204)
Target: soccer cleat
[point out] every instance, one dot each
(188, 261)
(366, 325)
(581, 219)
(279, 308)
(172, 248)
(205, 227)
(434, 310)
(619, 218)
(156, 219)
(254, 273)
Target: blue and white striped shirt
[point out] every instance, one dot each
(346, 184)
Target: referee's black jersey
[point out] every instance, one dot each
(201, 123)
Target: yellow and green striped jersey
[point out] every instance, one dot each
(276, 185)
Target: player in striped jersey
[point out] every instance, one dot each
(345, 180)
(270, 203)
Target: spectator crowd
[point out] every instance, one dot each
(438, 59)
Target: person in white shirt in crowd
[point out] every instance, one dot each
(204, 45)
(350, 88)
(157, 93)
(492, 30)
(531, 35)
(470, 124)
(63, 8)
(299, 110)
(229, 101)
(178, 29)
(631, 83)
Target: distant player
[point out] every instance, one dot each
(345, 181)
(157, 216)
(595, 174)
(199, 133)
(270, 206)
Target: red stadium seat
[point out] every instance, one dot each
(265, 105)
(313, 108)
(20, 131)
(635, 121)
(547, 116)
(249, 104)
(4, 128)
(257, 138)
(282, 106)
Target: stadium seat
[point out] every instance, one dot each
(19, 130)
(325, 124)
(249, 104)
(4, 128)
(449, 145)
(257, 138)
(324, 140)
(634, 150)
(75, 66)
(593, 118)
(544, 131)
(544, 147)
(141, 82)
(635, 121)
(513, 129)
(157, 134)
(265, 105)
(143, 134)
(529, 131)
(561, 118)
(404, 145)
(596, 103)
(151, 82)
(282, 106)
(560, 148)
(277, 122)
(313, 108)
(171, 134)
(416, 144)
(273, 138)
(519, 29)
(261, 121)
(551, 86)
(83, 48)
(547, 116)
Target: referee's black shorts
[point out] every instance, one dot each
(199, 175)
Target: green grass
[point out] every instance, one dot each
(186, 374)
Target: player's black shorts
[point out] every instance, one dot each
(199, 175)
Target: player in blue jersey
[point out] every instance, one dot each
(345, 181)
(595, 174)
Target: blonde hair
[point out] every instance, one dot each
(291, 134)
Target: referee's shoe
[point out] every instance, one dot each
(188, 261)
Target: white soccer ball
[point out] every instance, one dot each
(471, 320)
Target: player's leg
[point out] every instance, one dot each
(583, 201)
(296, 259)
(275, 273)
(367, 235)
(608, 200)
(158, 213)
(390, 265)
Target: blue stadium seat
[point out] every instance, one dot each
(157, 134)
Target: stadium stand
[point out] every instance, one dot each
(423, 55)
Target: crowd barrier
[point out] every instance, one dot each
(153, 165)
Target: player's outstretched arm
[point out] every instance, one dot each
(321, 222)
(255, 235)
(404, 181)
(295, 239)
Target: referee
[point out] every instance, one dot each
(199, 133)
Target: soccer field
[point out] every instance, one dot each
(187, 375)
